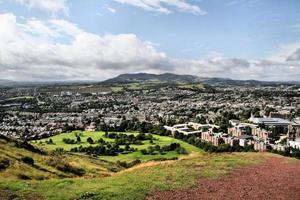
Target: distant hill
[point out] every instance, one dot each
(171, 78)
(4, 82)
(144, 77)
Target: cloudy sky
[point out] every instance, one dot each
(98, 39)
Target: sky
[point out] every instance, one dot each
(62, 40)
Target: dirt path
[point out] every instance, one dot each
(276, 178)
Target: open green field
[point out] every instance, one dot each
(135, 183)
(84, 135)
(194, 86)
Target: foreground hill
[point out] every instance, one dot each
(20, 160)
(135, 183)
(190, 177)
(275, 178)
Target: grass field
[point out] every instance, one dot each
(159, 140)
(47, 166)
(135, 183)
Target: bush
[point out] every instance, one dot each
(69, 141)
(181, 150)
(59, 151)
(144, 151)
(23, 177)
(65, 167)
(50, 141)
(28, 160)
(128, 164)
(4, 164)
(165, 159)
(90, 140)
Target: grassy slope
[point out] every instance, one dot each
(135, 183)
(42, 169)
(100, 183)
(159, 140)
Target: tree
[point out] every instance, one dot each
(89, 140)
(215, 130)
(28, 160)
(127, 147)
(78, 139)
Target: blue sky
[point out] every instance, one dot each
(244, 39)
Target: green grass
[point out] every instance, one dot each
(136, 183)
(41, 169)
(117, 88)
(159, 140)
(191, 86)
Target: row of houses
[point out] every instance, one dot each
(243, 134)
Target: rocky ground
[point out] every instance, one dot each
(276, 177)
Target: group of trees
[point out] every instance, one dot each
(123, 139)
(135, 125)
(108, 149)
(153, 150)
(291, 152)
(72, 141)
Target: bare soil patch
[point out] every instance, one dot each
(275, 178)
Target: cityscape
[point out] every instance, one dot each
(149, 99)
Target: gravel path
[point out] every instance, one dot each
(276, 178)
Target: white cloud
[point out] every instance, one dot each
(27, 52)
(285, 52)
(51, 6)
(109, 8)
(60, 50)
(164, 6)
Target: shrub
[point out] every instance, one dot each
(69, 141)
(65, 167)
(90, 140)
(78, 139)
(28, 160)
(23, 177)
(128, 164)
(181, 150)
(165, 159)
(144, 151)
(59, 151)
(4, 164)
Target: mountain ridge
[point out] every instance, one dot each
(170, 77)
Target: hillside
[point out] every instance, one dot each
(175, 78)
(144, 77)
(182, 177)
(19, 160)
(135, 183)
(67, 176)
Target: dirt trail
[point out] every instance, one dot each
(276, 178)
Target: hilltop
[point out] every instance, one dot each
(175, 78)
(145, 77)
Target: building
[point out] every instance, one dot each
(190, 128)
(270, 121)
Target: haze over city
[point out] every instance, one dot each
(57, 40)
